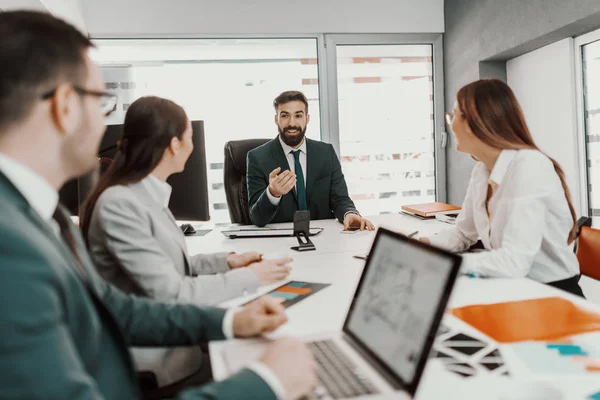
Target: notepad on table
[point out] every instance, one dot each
(429, 210)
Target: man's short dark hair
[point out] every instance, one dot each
(37, 53)
(290, 95)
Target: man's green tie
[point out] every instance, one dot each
(300, 188)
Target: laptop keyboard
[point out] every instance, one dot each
(338, 376)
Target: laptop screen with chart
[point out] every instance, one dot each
(389, 329)
(399, 303)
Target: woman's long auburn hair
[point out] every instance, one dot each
(495, 117)
(150, 124)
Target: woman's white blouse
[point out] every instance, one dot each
(528, 225)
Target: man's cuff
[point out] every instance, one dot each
(228, 322)
(352, 212)
(274, 200)
(269, 377)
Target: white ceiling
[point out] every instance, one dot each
(127, 18)
(69, 10)
(160, 17)
(7, 5)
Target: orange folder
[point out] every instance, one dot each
(430, 209)
(547, 319)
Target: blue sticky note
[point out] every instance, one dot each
(287, 296)
(595, 396)
(567, 349)
(297, 284)
(541, 359)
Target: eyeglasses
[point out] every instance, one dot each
(108, 101)
(450, 118)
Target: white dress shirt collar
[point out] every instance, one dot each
(287, 149)
(501, 166)
(42, 197)
(159, 190)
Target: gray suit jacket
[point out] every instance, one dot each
(137, 245)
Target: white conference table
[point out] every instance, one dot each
(325, 311)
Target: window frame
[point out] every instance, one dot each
(582, 141)
(439, 135)
(327, 76)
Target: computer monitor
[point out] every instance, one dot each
(189, 198)
(69, 196)
(74, 192)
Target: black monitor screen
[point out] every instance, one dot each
(189, 198)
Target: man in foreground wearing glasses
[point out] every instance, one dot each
(64, 331)
(108, 101)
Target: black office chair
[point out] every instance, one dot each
(234, 177)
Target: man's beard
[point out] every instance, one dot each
(82, 154)
(295, 140)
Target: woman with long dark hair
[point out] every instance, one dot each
(517, 202)
(134, 239)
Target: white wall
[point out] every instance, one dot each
(544, 84)
(131, 17)
(69, 10)
(9, 5)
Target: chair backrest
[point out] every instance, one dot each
(581, 222)
(588, 252)
(234, 178)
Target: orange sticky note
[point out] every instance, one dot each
(296, 290)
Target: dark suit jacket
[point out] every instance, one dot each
(326, 190)
(61, 338)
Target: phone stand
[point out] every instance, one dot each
(302, 231)
(303, 245)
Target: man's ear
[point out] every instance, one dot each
(307, 118)
(276, 119)
(65, 109)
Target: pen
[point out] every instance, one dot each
(411, 235)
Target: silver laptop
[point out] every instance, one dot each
(264, 232)
(390, 327)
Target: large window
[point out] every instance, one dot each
(385, 100)
(373, 102)
(590, 56)
(230, 84)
